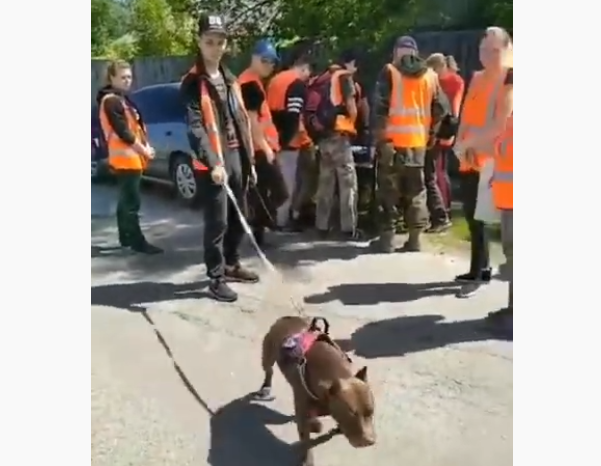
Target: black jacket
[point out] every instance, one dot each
(197, 131)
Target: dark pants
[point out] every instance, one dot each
(436, 176)
(269, 194)
(479, 238)
(128, 208)
(223, 231)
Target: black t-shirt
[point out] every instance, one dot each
(253, 96)
(218, 81)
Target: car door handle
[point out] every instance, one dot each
(168, 133)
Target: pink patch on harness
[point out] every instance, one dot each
(306, 341)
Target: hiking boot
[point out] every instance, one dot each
(440, 227)
(147, 248)
(237, 273)
(386, 242)
(413, 243)
(221, 291)
(483, 277)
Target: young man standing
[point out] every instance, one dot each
(271, 191)
(219, 133)
(286, 97)
(337, 165)
(406, 116)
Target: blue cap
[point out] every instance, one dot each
(266, 50)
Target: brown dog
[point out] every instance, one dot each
(322, 380)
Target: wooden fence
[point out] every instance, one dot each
(154, 70)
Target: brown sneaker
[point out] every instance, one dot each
(237, 273)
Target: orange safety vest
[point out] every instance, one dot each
(344, 124)
(276, 100)
(478, 114)
(210, 120)
(265, 121)
(122, 156)
(502, 186)
(409, 117)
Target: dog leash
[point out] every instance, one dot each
(268, 264)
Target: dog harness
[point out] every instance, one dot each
(298, 345)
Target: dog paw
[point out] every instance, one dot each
(264, 394)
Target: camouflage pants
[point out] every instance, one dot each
(336, 166)
(404, 185)
(305, 185)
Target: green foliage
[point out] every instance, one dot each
(158, 30)
(166, 27)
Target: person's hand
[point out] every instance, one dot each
(270, 156)
(253, 175)
(218, 175)
(470, 156)
(150, 152)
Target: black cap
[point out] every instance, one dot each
(406, 42)
(349, 55)
(210, 23)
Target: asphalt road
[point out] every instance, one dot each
(171, 368)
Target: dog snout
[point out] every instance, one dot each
(363, 442)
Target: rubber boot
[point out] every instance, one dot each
(413, 243)
(386, 243)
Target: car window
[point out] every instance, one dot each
(159, 104)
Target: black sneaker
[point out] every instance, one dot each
(220, 291)
(147, 248)
(484, 277)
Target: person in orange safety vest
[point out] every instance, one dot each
(286, 97)
(487, 108)
(408, 113)
(337, 165)
(271, 191)
(220, 138)
(129, 153)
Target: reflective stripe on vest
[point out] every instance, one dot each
(503, 174)
(419, 116)
(476, 91)
(265, 120)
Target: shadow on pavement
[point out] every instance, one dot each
(130, 296)
(239, 436)
(356, 294)
(178, 370)
(403, 335)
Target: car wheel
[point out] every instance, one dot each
(185, 181)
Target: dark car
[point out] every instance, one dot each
(164, 115)
(99, 161)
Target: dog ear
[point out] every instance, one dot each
(335, 388)
(362, 374)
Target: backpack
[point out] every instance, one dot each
(320, 114)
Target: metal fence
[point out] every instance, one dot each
(154, 70)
